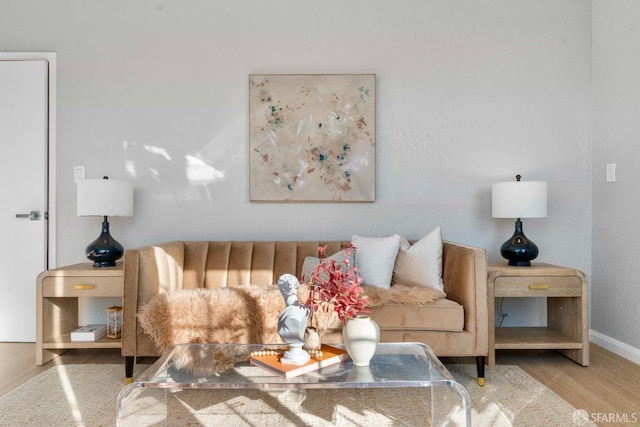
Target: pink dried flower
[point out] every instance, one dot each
(340, 288)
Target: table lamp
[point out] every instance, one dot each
(519, 199)
(104, 197)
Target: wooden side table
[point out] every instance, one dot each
(566, 292)
(57, 293)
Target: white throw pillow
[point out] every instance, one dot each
(421, 263)
(375, 258)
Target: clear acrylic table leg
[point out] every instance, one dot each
(139, 406)
(450, 405)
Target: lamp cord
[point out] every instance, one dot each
(501, 314)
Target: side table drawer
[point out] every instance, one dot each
(543, 286)
(82, 286)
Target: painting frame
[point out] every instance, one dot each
(312, 137)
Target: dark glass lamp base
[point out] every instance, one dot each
(519, 250)
(105, 250)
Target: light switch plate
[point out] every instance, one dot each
(611, 172)
(78, 173)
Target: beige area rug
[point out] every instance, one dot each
(85, 395)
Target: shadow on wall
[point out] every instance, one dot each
(185, 175)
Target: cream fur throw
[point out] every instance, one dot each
(247, 314)
(402, 294)
(244, 314)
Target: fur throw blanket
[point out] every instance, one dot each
(401, 294)
(245, 314)
(242, 315)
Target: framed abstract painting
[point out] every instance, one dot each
(312, 137)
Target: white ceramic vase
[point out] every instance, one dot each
(361, 336)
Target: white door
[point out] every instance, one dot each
(23, 193)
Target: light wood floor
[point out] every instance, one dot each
(610, 385)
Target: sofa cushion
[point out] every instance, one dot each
(375, 258)
(439, 315)
(421, 263)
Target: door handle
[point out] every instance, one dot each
(33, 215)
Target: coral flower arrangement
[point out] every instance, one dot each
(337, 286)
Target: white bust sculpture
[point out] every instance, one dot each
(292, 322)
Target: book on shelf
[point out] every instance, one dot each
(271, 362)
(89, 333)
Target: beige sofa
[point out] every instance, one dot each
(455, 326)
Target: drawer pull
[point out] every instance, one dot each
(84, 287)
(539, 287)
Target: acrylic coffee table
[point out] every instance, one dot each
(403, 368)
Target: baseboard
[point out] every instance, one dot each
(615, 346)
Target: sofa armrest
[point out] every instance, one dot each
(147, 272)
(130, 302)
(464, 274)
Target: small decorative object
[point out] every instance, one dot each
(519, 199)
(361, 336)
(312, 137)
(89, 333)
(337, 286)
(104, 197)
(292, 322)
(114, 322)
(312, 341)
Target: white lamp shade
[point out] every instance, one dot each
(105, 197)
(519, 199)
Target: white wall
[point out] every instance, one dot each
(616, 139)
(469, 93)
